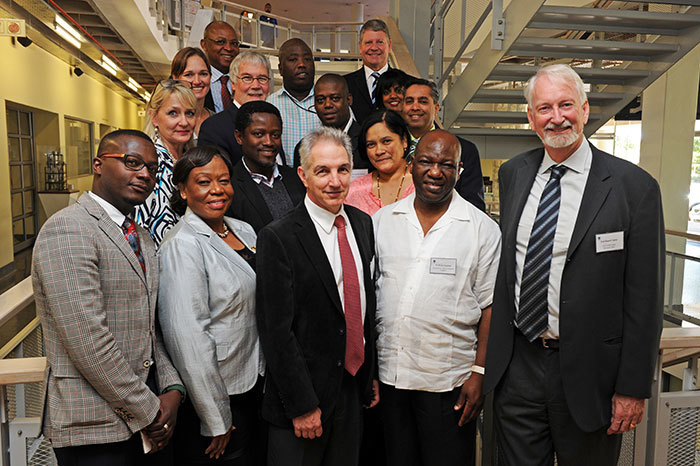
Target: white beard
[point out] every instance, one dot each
(558, 141)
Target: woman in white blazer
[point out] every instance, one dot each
(206, 307)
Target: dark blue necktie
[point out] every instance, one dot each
(532, 319)
(376, 76)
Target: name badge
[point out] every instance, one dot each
(606, 242)
(443, 266)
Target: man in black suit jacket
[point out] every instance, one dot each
(218, 129)
(419, 111)
(573, 344)
(264, 191)
(315, 307)
(374, 47)
(332, 102)
(220, 43)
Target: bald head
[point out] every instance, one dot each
(332, 100)
(435, 169)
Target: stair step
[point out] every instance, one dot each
(479, 116)
(619, 76)
(609, 20)
(669, 2)
(591, 49)
(470, 131)
(515, 96)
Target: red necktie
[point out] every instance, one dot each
(225, 94)
(354, 347)
(129, 230)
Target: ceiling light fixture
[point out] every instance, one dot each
(109, 65)
(67, 31)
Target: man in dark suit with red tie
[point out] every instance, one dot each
(375, 47)
(220, 43)
(315, 308)
(577, 307)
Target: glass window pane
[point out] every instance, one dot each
(28, 202)
(16, 205)
(15, 177)
(28, 174)
(14, 149)
(11, 116)
(18, 231)
(27, 155)
(78, 147)
(29, 226)
(24, 123)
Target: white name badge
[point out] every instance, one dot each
(606, 242)
(443, 266)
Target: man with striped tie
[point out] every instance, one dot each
(578, 303)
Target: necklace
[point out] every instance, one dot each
(224, 234)
(398, 193)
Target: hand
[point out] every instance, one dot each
(218, 445)
(375, 394)
(163, 426)
(627, 412)
(471, 398)
(308, 425)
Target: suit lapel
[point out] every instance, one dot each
(307, 236)
(252, 193)
(362, 84)
(597, 189)
(360, 235)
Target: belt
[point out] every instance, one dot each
(548, 343)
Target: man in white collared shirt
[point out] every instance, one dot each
(315, 308)
(374, 47)
(437, 260)
(220, 43)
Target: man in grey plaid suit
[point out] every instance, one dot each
(111, 384)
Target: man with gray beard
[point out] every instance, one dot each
(577, 307)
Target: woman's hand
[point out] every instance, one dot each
(218, 445)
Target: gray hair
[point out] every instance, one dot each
(250, 58)
(325, 133)
(559, 73)
(375, 25)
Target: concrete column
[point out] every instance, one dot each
(414, 24)
(669, 108)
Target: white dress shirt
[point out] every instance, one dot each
(112, 211)
(215, 86)
(258, 178)
(368, 76)
(431, 290)
(328, 234)
(572, 183)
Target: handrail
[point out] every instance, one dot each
(683, 234)
(290, 20)
(15, 299)
(22, 370)
(680, 337)
(19, 337)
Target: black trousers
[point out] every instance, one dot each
(421, 429)
(532, 419)
(189, 444)
(339, 445)
(126, 453)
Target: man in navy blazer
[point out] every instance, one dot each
(575, 325)
(374, 47)
(264, 190)
(315, 310)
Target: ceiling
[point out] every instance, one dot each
(327, 10)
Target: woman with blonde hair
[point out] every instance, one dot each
(171, 119)
(192, 66)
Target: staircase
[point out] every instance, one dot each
(618, 48)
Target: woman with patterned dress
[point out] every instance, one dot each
(171, 120)
(383, 139)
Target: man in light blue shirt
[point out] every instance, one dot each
(295, 100)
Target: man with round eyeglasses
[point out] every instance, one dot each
(220, 43)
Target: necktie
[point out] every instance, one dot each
(532, 314)
(374, 75)
(354, 348)
(129, 230)
(225, 94)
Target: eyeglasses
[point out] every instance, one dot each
(222, 42)
(134, 163)
(248, 79)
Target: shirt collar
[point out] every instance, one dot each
(349, 124)
(216, 74)
(369, 71)
(259, 178)
(112, 211)
(310, 94)
(321, 216)
(406, 205)
(576, 161)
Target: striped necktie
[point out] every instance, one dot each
(129, 230)
(532, 318)
(376, 76)
(226, 98)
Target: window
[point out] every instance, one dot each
(78, 147)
